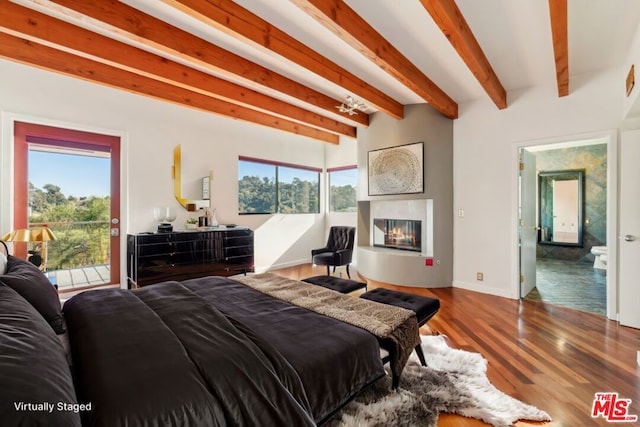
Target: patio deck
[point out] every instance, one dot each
(74, 278)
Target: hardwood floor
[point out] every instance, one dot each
(551, 357)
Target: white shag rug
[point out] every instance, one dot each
(454, 381)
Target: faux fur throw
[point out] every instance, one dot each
(394, 325)
(453, 381)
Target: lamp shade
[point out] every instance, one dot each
(30, 235)
(19, 235)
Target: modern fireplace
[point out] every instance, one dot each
(404, 234)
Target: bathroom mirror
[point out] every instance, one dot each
(561, 207)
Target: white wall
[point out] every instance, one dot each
(631, 106)
(150, 130)
(485, 167)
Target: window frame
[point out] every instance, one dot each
(277, 164)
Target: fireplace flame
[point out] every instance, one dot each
(398, 234)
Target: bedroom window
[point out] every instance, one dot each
(266, 187)
(343, 182)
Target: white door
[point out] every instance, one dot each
(629, 230)
(527, 225)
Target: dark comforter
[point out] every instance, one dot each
(212, 351)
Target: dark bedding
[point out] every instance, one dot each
(211, 352)
(36, 388)
(333, 359)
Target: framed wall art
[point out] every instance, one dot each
(396, 170)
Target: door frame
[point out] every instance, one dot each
(8, 173)
(611, 138)
(527, 230)
(629, 150)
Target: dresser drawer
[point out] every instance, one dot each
(158, 257)
(170, 259)
(234, 251)
(164, 248)
(157, 274)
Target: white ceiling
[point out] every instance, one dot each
(514, 34)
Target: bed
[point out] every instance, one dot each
(213, 351)
(202, 352)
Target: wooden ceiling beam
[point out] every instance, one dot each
(560, 36)
(37, 26)
(123, 20)
(447, 16)
(48, 58)
(348, 25)
(238, 22)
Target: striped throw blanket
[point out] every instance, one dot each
(395, 326)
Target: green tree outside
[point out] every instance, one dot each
(258, 195)
(81, 226)
(343, 198)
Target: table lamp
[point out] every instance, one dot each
(35, 235)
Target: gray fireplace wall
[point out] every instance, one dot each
(421, 123)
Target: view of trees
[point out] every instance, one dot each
(298, 197)
(258, 195)
(343, 198)
(81, 226)
(297, 189)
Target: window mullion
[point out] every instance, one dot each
(277, 210)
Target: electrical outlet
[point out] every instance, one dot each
(460, 213)
(479, 276)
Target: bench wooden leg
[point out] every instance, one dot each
(421, 355)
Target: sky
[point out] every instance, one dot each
(340, 178)
(75, 175)
(80, 176)
(345, 177)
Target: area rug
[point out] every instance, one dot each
(454, 381)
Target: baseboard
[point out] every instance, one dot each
(263, 269)
(483, 289)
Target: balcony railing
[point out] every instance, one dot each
(80, 254)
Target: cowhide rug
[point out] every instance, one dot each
(454, 381)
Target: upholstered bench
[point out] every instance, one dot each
(424, 307)
(337, 284)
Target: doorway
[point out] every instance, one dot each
(554, 268)
(86, 225)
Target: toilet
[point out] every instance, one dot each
(600, 253)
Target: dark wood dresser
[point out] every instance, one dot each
(180, 255)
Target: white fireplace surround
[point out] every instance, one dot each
(419, 209)
(405, 268)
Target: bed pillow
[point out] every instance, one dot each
(25, 278)
(3, 263)
(33, 367)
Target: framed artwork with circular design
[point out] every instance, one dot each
(396, 170)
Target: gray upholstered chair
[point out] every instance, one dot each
(339, 249)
